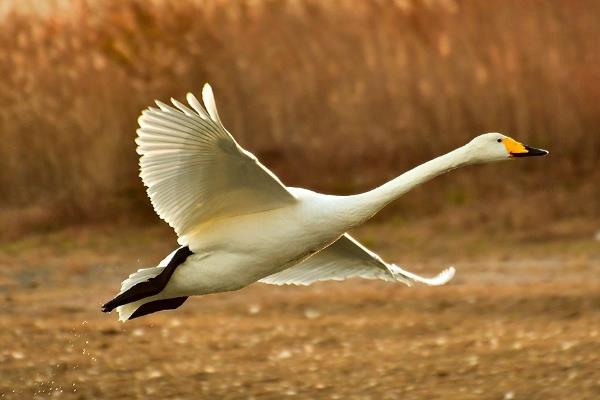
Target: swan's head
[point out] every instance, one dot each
(497, 147)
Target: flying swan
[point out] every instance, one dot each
(237, 223)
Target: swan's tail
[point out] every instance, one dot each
(141, 275)
(138, 286)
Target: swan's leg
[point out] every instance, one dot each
(152, 286)
(158, 305)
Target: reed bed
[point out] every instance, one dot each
(334, 95)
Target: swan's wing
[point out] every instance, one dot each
(195, 171)
(347, 258)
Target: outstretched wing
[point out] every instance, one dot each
(195, 171)
(347, 258)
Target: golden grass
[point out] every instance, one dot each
(336, 95)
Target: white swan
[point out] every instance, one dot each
(238, 224)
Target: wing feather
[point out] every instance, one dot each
(347, 258)
(195, 171)
(209, 102)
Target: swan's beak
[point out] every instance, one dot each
(530, 152)
(516, 149)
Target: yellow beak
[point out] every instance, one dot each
(517, 149)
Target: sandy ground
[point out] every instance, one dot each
(520, 321)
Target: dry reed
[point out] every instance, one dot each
(335, 95)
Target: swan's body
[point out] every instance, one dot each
(238, 224)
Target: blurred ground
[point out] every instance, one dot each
(520, 321)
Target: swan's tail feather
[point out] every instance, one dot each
(141, 275)
(127, 310)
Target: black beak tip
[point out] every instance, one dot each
(531, 152)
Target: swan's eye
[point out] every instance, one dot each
(499, 140)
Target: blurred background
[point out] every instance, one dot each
(336, 96)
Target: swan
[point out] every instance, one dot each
(237, 223)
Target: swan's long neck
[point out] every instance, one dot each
(367, 204)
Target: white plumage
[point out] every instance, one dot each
(238, 224)
(347, 258)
